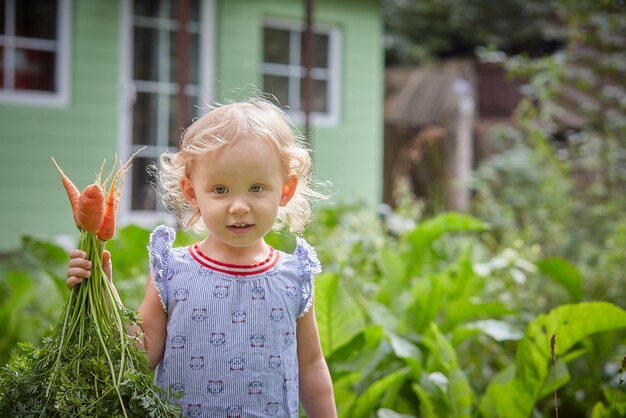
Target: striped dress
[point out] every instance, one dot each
(231, 330)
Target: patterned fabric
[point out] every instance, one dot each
(231, 330)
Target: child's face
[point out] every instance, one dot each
(238, 190)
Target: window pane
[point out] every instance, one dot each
(34, 70)
(277, 86)
(192, 55)
(176, 129)
(36, 18)
(194, 58)
(145, 119)
(2, 14)
(146, 62)
(321, 51)
(320, 95)
(143, 195)
(194, 9)
(276, 46)
(1, 67)
(149, 8)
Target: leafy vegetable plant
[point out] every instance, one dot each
(89, 365)
(427, 324)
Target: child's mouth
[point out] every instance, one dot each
(240, 228)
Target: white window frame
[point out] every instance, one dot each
(129, 88)
(61, 46)
(295, 71)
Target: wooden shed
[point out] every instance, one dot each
(434, 135)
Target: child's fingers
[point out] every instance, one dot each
(73, 281)
(80, 263)
(106, 264)
(75, 253)
(78, 268)
(78, 271)
(75, 275)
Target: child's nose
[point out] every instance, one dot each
(239, 206)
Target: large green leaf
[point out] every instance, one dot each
(360, 353)
(564, 273)
(408, 352)
(394, 276)
(614, 397)
(345, 396)
(46, 257)
(429, 295)
(389, 413)
(463, 310)
(559, 377)
(428, 231)
(427, 405)
(442, 355)
(339, 317)
(128, 251)
(460, 394)
(21, 292)
(370, 398)
(382, 315)
(516, 396)
(498, 330)
(599, 411)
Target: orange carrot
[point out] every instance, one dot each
(72, 192)
(107, 229)
(92, 212)
(91, 207)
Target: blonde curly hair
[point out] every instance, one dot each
(223, 124)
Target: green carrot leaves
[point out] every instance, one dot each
(89, 366)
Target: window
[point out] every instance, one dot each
(157, 118)
(283, 70)
(34, 44)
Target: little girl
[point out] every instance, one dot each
(230, 320)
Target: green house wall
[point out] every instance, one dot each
(77, 135)
(87, 129)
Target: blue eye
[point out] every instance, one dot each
(256, 188)
(220, 190)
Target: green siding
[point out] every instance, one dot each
(77, 135)
(348, 154)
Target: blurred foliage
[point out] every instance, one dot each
(556, 185)
(417, 32)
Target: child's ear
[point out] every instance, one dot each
(289, 188)
(188, 191)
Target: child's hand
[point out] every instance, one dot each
(80, 267)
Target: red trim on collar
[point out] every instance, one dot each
(234, 269)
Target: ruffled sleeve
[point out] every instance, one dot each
(159, 249)
(309, 268)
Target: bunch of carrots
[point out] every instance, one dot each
(89, 365)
